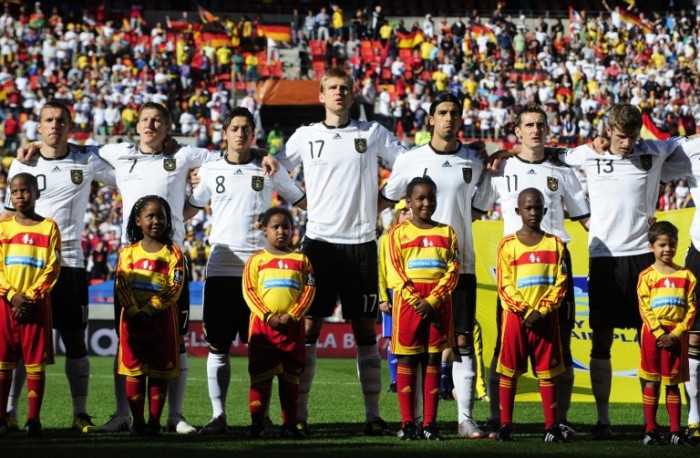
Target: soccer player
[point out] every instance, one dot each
(30, 261)
(456, 169)
(667, 306)
(562, 191)
(65, 174)
(531, 278)
(424, 255)
(239, 192)
(278, 286)
(623, 185)
(341, 162)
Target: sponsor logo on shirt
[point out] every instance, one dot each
(427, 264)
(281, 283)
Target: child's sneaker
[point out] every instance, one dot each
(431, 432)
(303, 426)
(33, 427)
(505, 433)
(654, 437)
(678, 438)
(408, 433)
(554, 434)
(292, 432)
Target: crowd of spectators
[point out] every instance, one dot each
(105, 66)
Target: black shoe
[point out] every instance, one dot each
(303, 426)
(153, 429)
(138, 430)
(33, 427)
(679, 438)
(505, 433)
(292, 432)
(392, 388)
(654, 437)
(600, 432)
(375, 426)
(4, 430)
(491, 428)
(567, 430)
(255, 431)
(408, 433)
(554, 434)
(431, 433)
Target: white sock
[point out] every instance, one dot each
(19, 375)
(176, 389)
(120, 397)
(564, 386)
(78, 374)
(305, 381)
(601, 382)
(691, 392)
(369, 371)
(494, 391)
(463, 376)
(218, 379)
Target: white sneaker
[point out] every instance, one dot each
(215, 427)
(467, 428)
(116, 424)
(179, 425)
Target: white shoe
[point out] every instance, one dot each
(179, 425)
(215, 427)
(467, 428)
(116, 424)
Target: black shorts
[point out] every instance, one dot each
(464, 304)
(345, 271)
(567, 308)
(183, 309)
(69, 300)
(612, 291)
(692, 262)
(226, 314)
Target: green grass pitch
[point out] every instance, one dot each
(336, 416)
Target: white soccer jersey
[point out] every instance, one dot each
(239, 193)
(165, 175)
(341, 177)
(691, 170)
(623, 191)
(456, 175)
(64, 185)
(558, 183)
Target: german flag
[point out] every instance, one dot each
(206, 16)
(410, 40)
(479, 30)
(650, 131)
(279, 33)
(634, 20)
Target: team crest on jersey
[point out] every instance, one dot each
(257, 183)
(646, 161)
(361, 145)
(169, 164)
(310, 280)
(467, 174)
(552, 184)
(76, 176)
(177, 277)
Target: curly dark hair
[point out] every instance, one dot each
(264, 218)
(133, 231)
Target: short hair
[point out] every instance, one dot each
(530, 108)
(239, 112)
(29, 178)
(337, 72)
(58, 105)
(425, 179)
(265, 217)
(531, 191)
(625, 117)
(444, 97)
(159, 108)
(134, 233)
(662, 228)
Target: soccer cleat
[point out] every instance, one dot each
(566, 429)
(505, 433)
(179, 425)
(554, 434)
(392, 388)
(491, 427)
(468, 428)
(138, 430)
(4, 430)
(255, 431)
(12, 423)
(375, 426)
(654, 437)
(600, 432)
(215, 426)
(303, 426)
(270, 430)
(431, 432)
(83, 423)
(34, 427)
(693, 433)
(116, 424)
(408, 433)
(153, 429)
(678, 438)
(292, 432)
